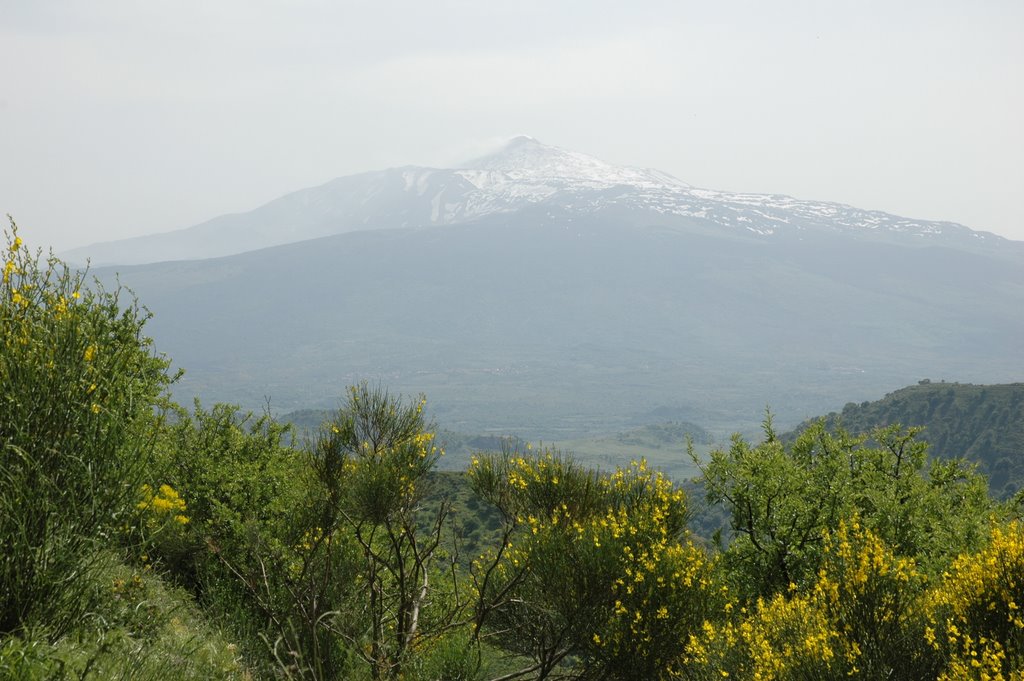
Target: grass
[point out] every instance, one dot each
(143, 629)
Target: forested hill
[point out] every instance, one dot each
(982, 423)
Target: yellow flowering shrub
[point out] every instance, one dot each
(371, 462)
(791, 638)
(975, 611)
(599, 569)
(862, 617)
(378, 449)
(78, 383)
(161, 506)
(163, 527)
(663, 586)
(873, 599)
(784, 497)
(977, 660)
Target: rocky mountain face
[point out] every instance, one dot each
(541, 292)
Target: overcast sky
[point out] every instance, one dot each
(120, 118)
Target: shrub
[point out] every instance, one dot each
(597, 580)
(78, 382)
(863, 617)
(976, 611)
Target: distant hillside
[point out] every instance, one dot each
(982, 423)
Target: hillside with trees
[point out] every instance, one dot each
(981, 423)
(145, 540)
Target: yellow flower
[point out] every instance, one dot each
(90, 353)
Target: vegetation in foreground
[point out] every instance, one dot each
(144, 540)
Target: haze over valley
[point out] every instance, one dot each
(542, 292)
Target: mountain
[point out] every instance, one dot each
(523, 175)
(541, 292)
(981, 423)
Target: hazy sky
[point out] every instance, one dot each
(120, 117)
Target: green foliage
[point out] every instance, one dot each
(238, 477)
(131, 541)
(372, 460)
(476, 525)
(926, 509)
(325, 554)
(981, 423)
(452, 657)
(254, 549)
(231, 466)
(782, 499)
(78, 384)
(381, 449)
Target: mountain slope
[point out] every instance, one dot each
(521, 177)
(546, 325)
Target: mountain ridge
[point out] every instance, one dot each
(522, 175)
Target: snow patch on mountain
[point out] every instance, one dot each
(526, 171)
(525, 160)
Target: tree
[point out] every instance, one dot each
(372, 460)
(783, 498)
(927, 509)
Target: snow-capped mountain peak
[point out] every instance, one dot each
(523, 175)
(526, 159)
(525, 171)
